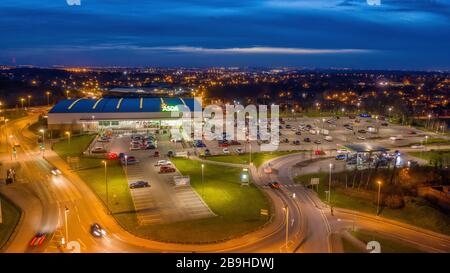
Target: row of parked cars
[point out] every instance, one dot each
(142, 142)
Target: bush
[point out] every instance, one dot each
(394, 201)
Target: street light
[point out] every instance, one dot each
(29, 98)
(203, 184)
(126, 165)
(286, 210)
(67, 93)
(379, 193)
(43, 141)
(329, 185)
(66, 239)
(426, 140)
(68, 136)
(106, 185)
(21, 101)
(48, 97)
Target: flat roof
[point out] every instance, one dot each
(365, 148)
(121, 105)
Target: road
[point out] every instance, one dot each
(51, 196)
(320, 223)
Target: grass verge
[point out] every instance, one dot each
(388, 245)
(417, 211)
(11, 216)
(257, 158)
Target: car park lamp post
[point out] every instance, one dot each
(378, 199)
(329, 185)
(21, 101)
(126, 165)
(203, 182)
(106, 185)
(426, 140)
(68, 136)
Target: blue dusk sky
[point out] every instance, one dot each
(372, 34)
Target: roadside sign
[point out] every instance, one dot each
(315, 181)
(264, 212)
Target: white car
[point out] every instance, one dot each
(342, 151)
(225, 151)
(163, 163)
(361, 138)
(417, 147)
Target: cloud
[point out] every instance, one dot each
(259, 50)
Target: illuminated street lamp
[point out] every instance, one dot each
(29, 98)
(379, 193)
(66, 225)
(329, 185)
(43, 140)
(68, 136)
(126, 165)
(67, 93)
(203, 182)
(48, 97)
(106, 185)
(21, 101)
(286, 211)
(426, 140)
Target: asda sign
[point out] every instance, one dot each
(169, 108)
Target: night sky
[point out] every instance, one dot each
(398, 34)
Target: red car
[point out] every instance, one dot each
(223, 145)
(112, 156)
(319, 152)
(156, 154)
(38, 239)
(166, 169)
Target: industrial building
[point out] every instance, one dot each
(117, 114)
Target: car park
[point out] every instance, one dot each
(97, 231)
(139, 184)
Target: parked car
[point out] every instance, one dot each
(98, 150)
(139, 184)
(361, 138)
(362, 131)
(239, 151)
(307, 139)
(170, 153)
(317, 141)
(341, 157)
(296, 142)
(225, 151)
(166, 169)
(298, 133)
(163, 162)
(207, 152)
